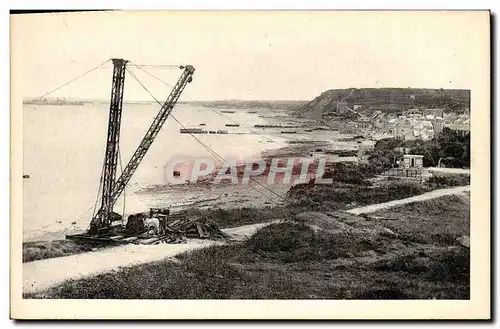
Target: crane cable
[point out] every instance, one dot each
(74, 79)
(56, 89)
(94, 206)
(201, 143)
(232, 120)
(124, 188)
(206, 147)
(214, 153)
(87, 211)
(155, 66)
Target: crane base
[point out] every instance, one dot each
(95, 239)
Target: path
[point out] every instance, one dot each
(422, 197)
(42, 274)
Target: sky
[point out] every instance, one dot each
(249, 55)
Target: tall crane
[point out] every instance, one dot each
(112, 189)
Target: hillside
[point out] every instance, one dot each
(387, 100)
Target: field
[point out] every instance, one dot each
(330, 255)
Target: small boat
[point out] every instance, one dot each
(226, 111)
(192, 131)
(289, 131)
(222, 131)
(308, 130)
(26, 176)
(232, 125)
(202, 124)
(267, 126)
(212, 132)
(252, 112)
(276, 126)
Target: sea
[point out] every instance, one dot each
(64, 146)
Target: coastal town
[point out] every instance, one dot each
(412, 124)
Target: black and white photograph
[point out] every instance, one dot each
(258, 156)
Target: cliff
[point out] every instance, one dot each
(385, 99)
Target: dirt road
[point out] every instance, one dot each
(42, 274)
(240, 232)
(422, 197)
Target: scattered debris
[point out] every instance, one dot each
(154, 227)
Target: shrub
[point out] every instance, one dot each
(225, 218)
(452, 265)
(297, 242)
(440, 181)
(50, 249)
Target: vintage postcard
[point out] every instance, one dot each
(250, 165)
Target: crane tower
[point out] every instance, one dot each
(112, 187)
(103, 217)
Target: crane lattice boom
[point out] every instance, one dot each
(102, 219)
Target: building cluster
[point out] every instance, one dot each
(412, 124)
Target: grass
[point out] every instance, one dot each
(298, 260)
(437, 221)
(334, 197)
(301, 198)
(298, 242)
(50, 249)
(450, 180)
(351, 187)
(227, 218)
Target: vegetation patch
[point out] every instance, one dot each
(437, 221)
(234, 217)
(448, 147)
(51, 249)
(286, 261)
(331, 197)
(407, 252)
(450, 180)
(298, 242)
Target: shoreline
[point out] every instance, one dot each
(215, 196)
